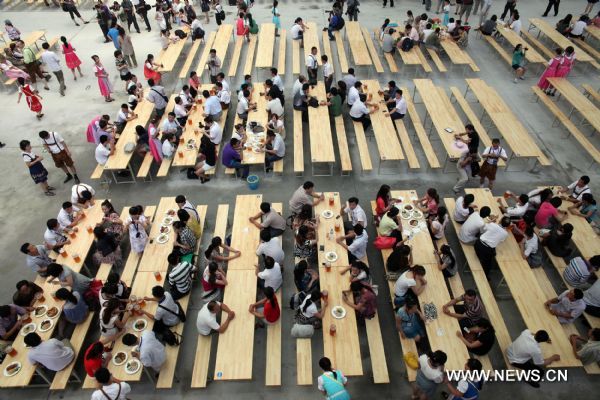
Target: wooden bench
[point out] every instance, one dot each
(295, 57)
(205, 53)
(145, 167)
(98, 172)
(363, 148)
(191, 57)
(342, 58)
(235, 58)
(303, 361)
(435, 57)
(534, 41)
(204, 343)
(589, 49)
(273, 349)
(327, 51)
(250, 55)
(298, 144)
(388, 56)
(420, 131)
(165, 164)
(413, 161)
(567, 123)
(281, 57)
(503, 54)
(342, 140)
(589, 91)
(372, 50)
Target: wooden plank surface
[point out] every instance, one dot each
(413, 161)
(456, 54)
(298, 142)
(550, 31)
(372, 50)
(514, 39)
(155, 254)
(205, 53)
(327, 51)
(311, 38)
(363, 147)
(235, 57)
(273, 349)
(259, 115)
(582, 104)
(321, 140)
(295, 57)
(342, 140)
(169, 56)
(221, 42)
(281, 56)
(266, 45)
(250, 55)
(342, 58)
(303, 362)
(191, 57)
(420, 131)
(354, 37)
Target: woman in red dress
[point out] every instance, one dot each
(71, 58)
(31, 96)
(150, 69)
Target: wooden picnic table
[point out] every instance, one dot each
(514, 39)
(168, 57)
(31, 39)
(443, 116)
(513, 131)
(441, 332)
(383, 127)
(593, 31)
(526, 291)
(456, 54)
(261, 116)
(24, 376)
(578, 101)
(562, 42)
(120, 159)
(359, 49)
(266, 46)
(154, 258)
(321, 139)
(236, 345)
(222, 40)
(344, 348)
(311, 39)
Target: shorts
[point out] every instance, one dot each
(206, 167)
(488, 171)
(516, 66)
(62, 159)
(126, 77)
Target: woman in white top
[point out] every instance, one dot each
(579, 27)
(530, 248)
(110, 323)
(308, 313)
(437, 226)
(429, 374)
(271, 275)
(137, 224)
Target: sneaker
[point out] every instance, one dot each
(68, 178)
(522, 78)
(2, 145)
(516, 80)
(77, 181)
(49, 193)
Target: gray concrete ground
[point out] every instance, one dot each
(24, 209)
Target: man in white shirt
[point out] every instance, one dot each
(53, 64)
(277, 81)
(518, 210)
(298, 85)
(356, 214)
(577, 188)
(206, 321)
(186, 205)
(349, 79)
(223, 95)
(451, 25)
(167, 312)
(568, 306)
(327, 72)
(359, 112)
(398, 111)
(270, 246)
(222, 81)
(525, 353)
(464, 208)
(473, 226)
(54, 236)
(181, 113)
(214, 65)
(104, 150)
(244, 106)
(68, 216)
(156, 95)
(123, 117)
(212, 106)
(274, 107)
(213, 130)
(61, 155)
(112, 388)
(51, 354)
(516, 25)
(491, 237)
(271, 275)
(275, 149)
(359, 239)
(172, 126)
(297, 31)
(354, 93)
(312, 66)
(150, 351)
(490, 156)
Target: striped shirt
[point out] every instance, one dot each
(577, 273)
(474, 311)
(181, 277)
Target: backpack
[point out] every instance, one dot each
(198, 34)
(180, 314)
(406, 44)
(90, 297)
(341, 24)
(297, 299)
(180, 34)
(167, 336)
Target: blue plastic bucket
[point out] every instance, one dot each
(253, 182)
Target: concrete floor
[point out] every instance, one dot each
(70, 115)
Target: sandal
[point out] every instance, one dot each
(51, 188)
(49, 193)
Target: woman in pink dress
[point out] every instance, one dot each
(10, 70)
(154, 142)
(71, 58)
(103, 82)
(550, 71)
(31, 96)
(566, 65)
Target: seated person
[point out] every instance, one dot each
(271, 276)
(169, 142)
(409, 321)
(360, 111)
(68, 278)
(568, 306)
(530, 248)
(588, 209)
(518, 210)
(207, 159)
(387, 42)
(9, 321)
(167, 313)
(37, 258)
(581, 273)
(172, 126)
(587, 351)
(96, 356)
(206, 323)
(437, 224)
(576, 189)
(489, 26)
(308, 312)
(364, 302)
(336, 23)
(434, 40)
(270, 219)
(359, 272)
(192, 223)
(399, 261)
(558, 240)
(111, 388)
(464, 208)
(180, 276)
(305, 278)
(185, 241)
(274, 149)
(233, 156)
(473, 226)
(470, 312)
(52, 354)
(525, 353)
(25, 294)
(270, 247)
(480, 338)
(391, 224)
(409, 285)
(549, 213)
(213, 281)
(355, 213)
(591, 297)
(462, 39)
(359, 238)
(267, 309)
(446, 261)
(150, 351)
(75, 310)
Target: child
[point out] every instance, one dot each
(446, 11)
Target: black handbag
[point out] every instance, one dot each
(475, 168)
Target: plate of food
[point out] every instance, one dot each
(338, 312)
(162, 238)
(418, 214)
(408, 207)
(331, 256)
(119, 358)
(46, 325)
(327, 214)
(256, 149)
(133, 366)
(40, 311)
(140, 324)
(30, 327)
(53, 312)
(171, 212)
(12, 369)
(191, 141)
(165, 229)
(405, 214)
(190, 146)
(168, 220)
(413, 223)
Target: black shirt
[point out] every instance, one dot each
(474, 143)
(487, 339)
(208, 150)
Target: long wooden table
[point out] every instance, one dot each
(578, 101)
(457, 55)
(383, 127)
(169, 56)
(514, 39)
(321, 139)
(513, 131)
(266, 46)
(236, 345)
(311, 39)
(360, 53)
(154, 258)
(31, 39)
(562, 42)
(344, 348)
(525, 290)
(222, 40)
(593, 31)
(261, 116)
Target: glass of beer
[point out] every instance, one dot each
(39, 296)
(507, 194)
(324, 294)
(90, 229)
(76, 257)
(11, 351)
(332, 329)
(180, 153)
(189, 121)
(72, 234)
(26, 318)
(337, 226)
(328, 266)
(62, 252)
(330, 200)
(157, 276)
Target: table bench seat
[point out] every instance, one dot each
(363, 148)
(281, 56)
(435, 57)
(420, 131)
(250, 55)
(165, 164)
(342, 140)
(273, 351)
(589, 91)
(298, 144)
(191, 57)
(535, 42)
(98, 171)
(327, 50)
(413, 161)
(295, 57)
(342, 58)
(503, 54)
(235, 57)
(145, 167)
(372, 50)
(205, 53)
(303, 361)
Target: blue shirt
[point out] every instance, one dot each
(229, 155)
(212, 105)
(113, 33)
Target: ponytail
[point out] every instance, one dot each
(214, 243)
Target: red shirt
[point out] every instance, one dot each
(91, 365)
(380, 206)
(542, 218)
(271, 312)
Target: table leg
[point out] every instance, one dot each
(149, 375)
(39, 371)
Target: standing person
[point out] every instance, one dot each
(485, 9)
(352, 10)
(214, 65)
(391, 3)
(103, 16)
(151, 69)
(550, 72)
(509, 6)
(312, 66)
(31, 97)
(71, 58)
(589, 6)
(137, 225)
(518, 59)
(129, 14)
(103, 81)
(525, 353)
(52, 62)
(327, 73)
(490, 163)
(141, 8)
(110, 387)
(32, 66)
(567, 64)
(552, 3)
(463, 166)
(467, 6)
(491, 237)
(157, 96)
(70, 7)
(429, 375)
(275, 19)
(38, 172)
(58, 149)
(332, 382)
(127, 48)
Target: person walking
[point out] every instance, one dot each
(130, 15)
(141, 8)
(276, 17)
(332, 382)
(103, 16)
(32, 66)
(312, 66)
(53, 63)
(58, 149)
(70, 7)
(552, 3)
(509, 8)
(103, 81)
(31, 96)
(127, 48)
(71, 58)
(38, 172)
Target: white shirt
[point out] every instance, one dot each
(461, 213)
(242, 106)
(516, 26)
(76, 191)
(295, 31)
(296, 88)
(358, 109)
(531, 245)
(525, 348)
(212, 105)
(64, 218)
(206, 321)
(51, 60)
(53, 238)
(403, 284)
(224, 96)
(451, 26)
(278, 82)
(327, 70)
(102, 154)
(112, 390)
(471, 228)
(272, 277)
(401, 105)
(225, 85)
(497, 152)
(353, 95)
(577, 192)
(518, 210)
(310, 310)
(52, 354)
(279, 145)
(426, 33)
(167, 317)
(433, 374)
(493, 234)
(196, 24)
(275, 107)
(357, 215)
(577, 30)
(272, 248)
(216, 133)
(55, 142)
(152, 352)
(358, 248)
(179, 110)
(167, 149)
(170, 126)
(311, 62)
(573, 308)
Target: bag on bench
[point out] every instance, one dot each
(198, 34)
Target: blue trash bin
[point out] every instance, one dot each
(253, 182)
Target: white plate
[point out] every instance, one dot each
(404, 214)
(47, 326)
(168, 220)
(136, 322)
(44, 310)
(30, 327)
(55, 315)
(162, 238)
(409, 207)
(114, 361)
(164, 229)
(338, 308)
(327, 214)
(137, 365)
(15, 371)
(331, 256)
(413, 226)
(418, 214)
